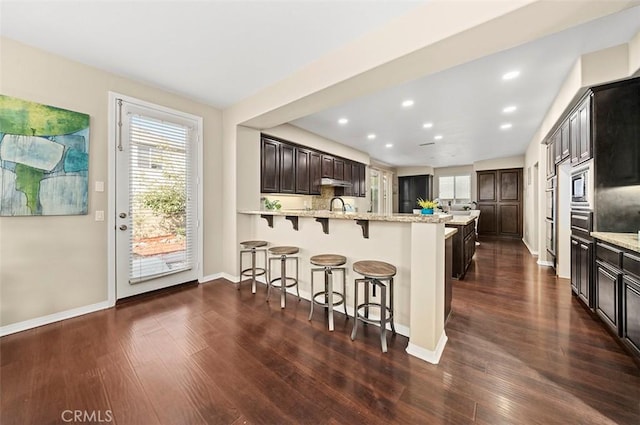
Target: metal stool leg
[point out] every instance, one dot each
(383, 316)
(283, 281)
(297, 278)
(312, 302)
(253, 270)
(269, 279)
(393, 328)
(240, 274)
(344, 292)
(328, 276)
(366, 297)
(355, 312)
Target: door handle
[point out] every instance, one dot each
(123, 215)
(123, 227)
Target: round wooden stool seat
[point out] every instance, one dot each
(253, 244)
(375, 269)
(284, 250)
(328, 260)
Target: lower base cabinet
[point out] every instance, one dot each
(464, 247)
(631, 313)
(608, 295)
(581, 270)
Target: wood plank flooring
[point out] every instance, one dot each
(521, 350)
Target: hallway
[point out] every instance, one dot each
(521, 350)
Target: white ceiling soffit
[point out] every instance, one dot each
(465, 104)
(218, 52)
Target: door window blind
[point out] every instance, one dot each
(160, 194)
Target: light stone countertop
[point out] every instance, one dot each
(449, 231)
(462, 220)
(400, 218)
(624, 240)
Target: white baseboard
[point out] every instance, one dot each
(205, 279)
(52, 318)
(531, 251)
(545, 263)
(428, 355)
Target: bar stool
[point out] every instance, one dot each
(329, 263)
(283, 253)
(378, 274)
(252, 247)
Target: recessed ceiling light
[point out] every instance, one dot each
(438, 137)
(388, 145)
(511, 75)
(371, 136)
(427, 125)
(509, 109)
(407, 103)
(506, 126)
(343, 121)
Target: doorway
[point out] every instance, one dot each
(380, 192)
(155, 208)
(563, 220)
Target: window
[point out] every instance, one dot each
(456, 188)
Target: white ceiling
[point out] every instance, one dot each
(220, 52)
(465, 103)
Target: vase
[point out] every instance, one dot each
(427, 211)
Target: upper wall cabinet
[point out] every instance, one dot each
(289, 168)
(270, 166)
(580, 131)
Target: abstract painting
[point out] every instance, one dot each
(44, 159)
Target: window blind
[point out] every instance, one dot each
(160, 194)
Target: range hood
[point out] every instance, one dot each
(334, 183)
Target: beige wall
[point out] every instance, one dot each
(592, 69)
(415, 171)
(499, 163)
(455, 171)
(52, 264)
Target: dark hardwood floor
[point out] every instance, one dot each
(521, 350)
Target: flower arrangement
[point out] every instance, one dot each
(272, 205)
(427, 205)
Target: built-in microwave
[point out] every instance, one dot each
(582, 186)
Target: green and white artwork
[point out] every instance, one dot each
(44, 159)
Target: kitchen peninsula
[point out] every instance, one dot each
(415, 244)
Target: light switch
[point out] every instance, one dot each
(99, 215)
(99, 187)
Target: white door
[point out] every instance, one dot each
(156, 198)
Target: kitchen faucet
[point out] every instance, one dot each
(339, 199)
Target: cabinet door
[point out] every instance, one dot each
(557, 146)
(584, 290)
(574, 138)
(631, 313)
(355, 179)
(575, 266)
(551, 159)
(287, 169)
(348, 191)
(315, 172)
(338, 169)
(327, 166)
(607, 295)
(469, 248)
(302, 167)
(584, 122)
(564, 139)
(362, 180)
(487, 187)
(269, 166)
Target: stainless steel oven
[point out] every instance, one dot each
(550, 196)
(550, 237)
(582, 186)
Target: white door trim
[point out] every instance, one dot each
(111, 188)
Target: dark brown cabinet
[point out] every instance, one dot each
(338, 169)
(315, 172)
(580, 131)
(581, 265)
(608, 279)
(410, 188)
(551, 159)
(500, 202)
(302, 166)
(327, 166)
(270, 166)
(557, 146)
(565, 140)
(464, 247)
(631, 313)
(286, 167)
